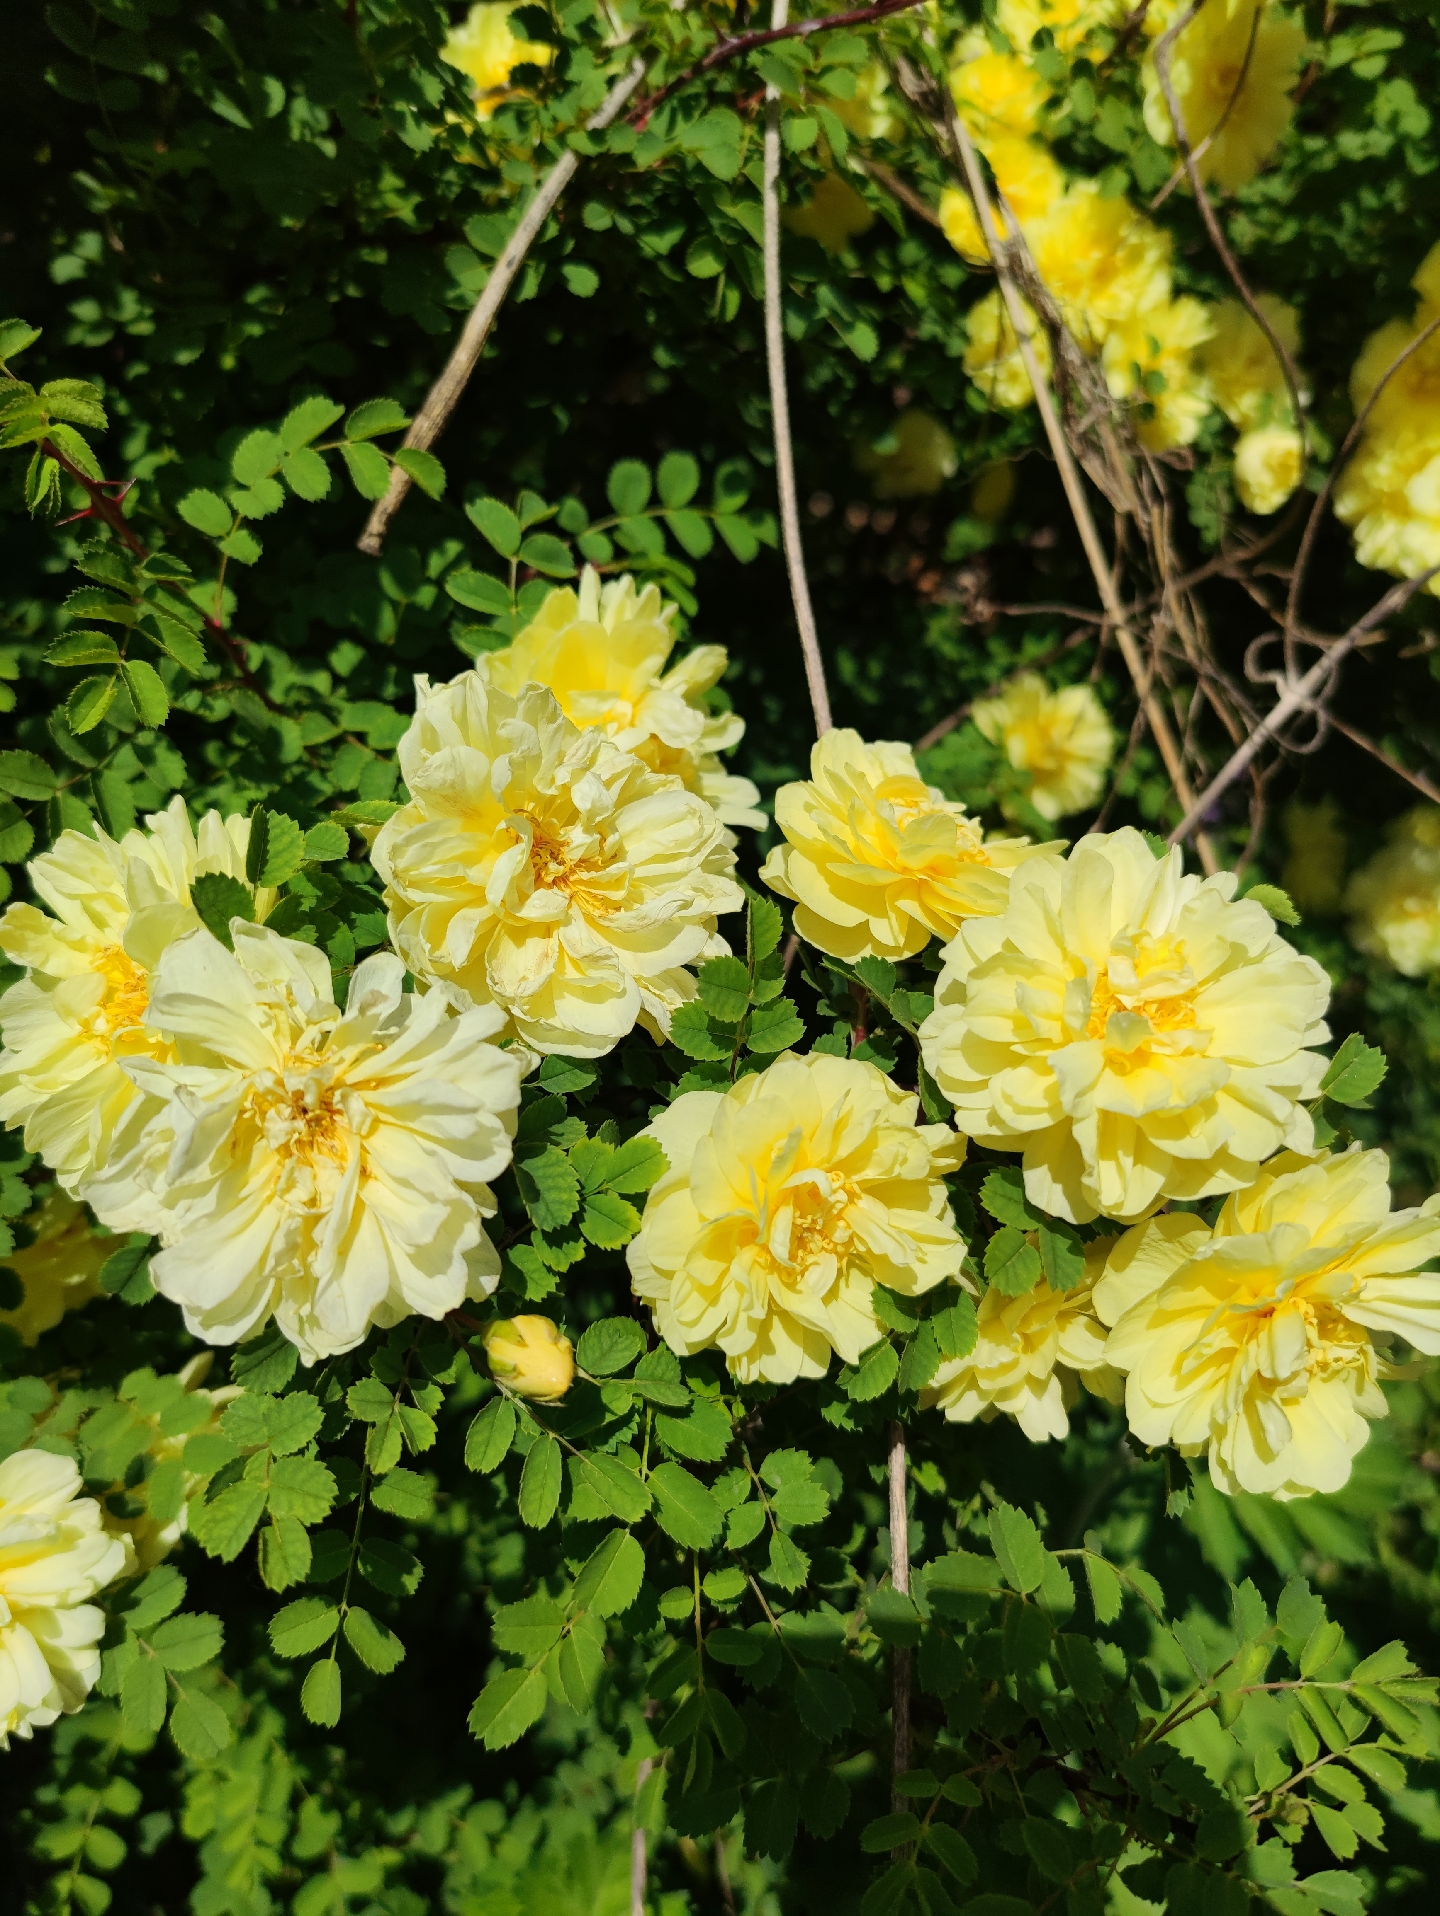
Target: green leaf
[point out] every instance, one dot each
(307, 421)
(628, 487)
(540, 1483)
(692, 1032)
(549, 555)
(678, 479)
(1339, 1834)
(610, 1345)
(281, 850)
(1062, 1254)
(685, 1508)
(1012, 1263)
(1356, 1070)
(1017, 1546)
(506, 1708)
(374, 416)
(147, 692)
(368, 468)
(207, 512)
(23, 775)
(479, 591)
(306, 474)
(823, 1703)
(498, 524)
(610, 1580)
(329, 840)
(224, 1527)
(890, 1832)
(1384, 1665)
(377, 1647)
(615, 1486)
(424, 468)
(873, 1375)
(488, 1441)
(303, 1626)
(955, 1329)
(1105, 1591)
(218, 898)
(320, 1693)
(186, 1641)
(953, 1852)
(636, 1166)
(724, 986)
(284, 1552)
(143, 1697)
(301, 1487)
(89, 702)
(200, 1728)
(788, 1565)
(692, 533)
(404, 1494)
(15, 336)
(84, 648)
(1003, 1195)
(549, 1187)
(774, 1027)
(703, 1434)
(256, 457)
(1278, 903)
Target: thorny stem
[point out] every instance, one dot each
(900, 1579)
(444, 395)
(740, 44)
(101, 506)
(780, 408)
(964, 150)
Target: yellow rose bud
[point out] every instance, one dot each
(532, 1356)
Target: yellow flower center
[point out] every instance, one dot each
(302, 1116)
(1163, 1014)
(902, 802)
(586, 881)
(807, 1225)
(127, 995)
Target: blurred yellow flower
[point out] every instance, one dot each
(1232, 69)
(602, 651)
(996, 93)
(1151, 360)
(1104, 262)
(1256, 1341)
(992, 354)
(544, 870)
(867, 114)
(993, 492)
(1314, 872)
(1241, 367)
(1029, 179)
(789, 1197)
(58, 1270)
(531, 1356)
(834, 214)
(1394, 899)
(78, 1014)
(1062, 739)
(1269, 465)
(326, 1168)
(487, 51)
(1071, 22)
(877, 861)
(1137, 1033)
(921, 459)
(1030, 1354)
(54, 1555)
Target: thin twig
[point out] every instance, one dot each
(780, 410)
(742, 43)
(442, 398)
(900, 1580)
(1219, 127)
(1367, 744)
(898, 189)
(1301, 693)
(964, 149)
(639, 1862)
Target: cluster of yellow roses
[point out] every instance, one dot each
(1107, 266)
(1140, 1036)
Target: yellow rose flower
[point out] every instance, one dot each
(325, 1168)
(878, 862)
(834, 214)
(1394, 899)
(164, 1414)
(1240, 365)
(602, 652)
(1269, 465)
(544, 870)
(992, 353)
(1030, 1356)
(1104, 262)
(1232, 69)
(922, 459)
(58, 1269)
(78, 1014)
(1151, 359)
(487, 52)
(532, 1356)
(1314, 872)
(1071, 22)
(789, 1197)
(1134, 1030)
(54, 1555)
(1029, 179)
(1256, 1341)
(997, 94)
(1062, 739)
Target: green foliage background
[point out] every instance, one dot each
(215, 217)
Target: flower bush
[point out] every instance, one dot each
(624, 1281)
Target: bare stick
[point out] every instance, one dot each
(1423, 785)
(780, 410)
(1301, 693)
(1070, 478)
(442, 398)
(639, 1863)
(900, 1579)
